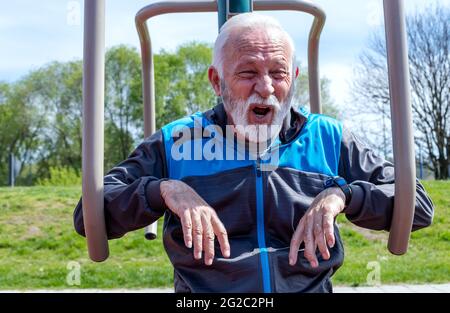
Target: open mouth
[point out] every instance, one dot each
(261, 111)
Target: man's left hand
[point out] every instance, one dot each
(316, 227)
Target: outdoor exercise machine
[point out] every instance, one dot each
(93, 102)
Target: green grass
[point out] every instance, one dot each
(37, 243)
(427, 259)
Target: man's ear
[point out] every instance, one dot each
(214, 79)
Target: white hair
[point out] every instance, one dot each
(249, 21)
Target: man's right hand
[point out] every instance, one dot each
(199, 221)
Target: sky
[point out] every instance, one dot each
(33, 33)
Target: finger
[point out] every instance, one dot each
(197, 233)
(319, 236)
(296, 241)
(310, 244)
(222, 235)
(208, 239)
(328, 228)
(186, 223)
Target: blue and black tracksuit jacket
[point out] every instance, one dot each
(259, 206)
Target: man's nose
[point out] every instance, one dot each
(264, 86)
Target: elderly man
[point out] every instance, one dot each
(250, 189)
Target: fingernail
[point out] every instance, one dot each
(208, 262)
(226, 253)
(291, 262)
(189, 244)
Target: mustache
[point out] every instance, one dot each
(271, 101)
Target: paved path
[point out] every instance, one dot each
(429, 288)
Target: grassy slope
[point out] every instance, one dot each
(428, 257)
(37, 241)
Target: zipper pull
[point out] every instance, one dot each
(258, 167)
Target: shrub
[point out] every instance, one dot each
(61, 176)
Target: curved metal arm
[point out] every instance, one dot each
(401, 120)
(148, 83)
(148, 79)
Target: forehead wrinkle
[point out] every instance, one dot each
(275, 55)
(245, 43)
(252, 59)
(263, 42)
(255, 45)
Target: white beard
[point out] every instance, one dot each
(239, 111)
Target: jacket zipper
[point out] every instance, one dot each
(261, 229)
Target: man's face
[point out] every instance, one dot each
(256, 83)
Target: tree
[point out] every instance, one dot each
(19, 124)
(45, 124)
(54, 91)
(429, 64)
(41, 114)
(123, 103)
(182, 85)
(5, 116)
(301, 94)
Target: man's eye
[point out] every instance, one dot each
(278, 74)
(247, 74)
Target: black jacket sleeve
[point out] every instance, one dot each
(371, 179)
(131, 190)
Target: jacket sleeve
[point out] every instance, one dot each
(371, 180)
(131, 190)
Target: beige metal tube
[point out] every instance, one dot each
(402, 134)
(93, 112)
(148, 85)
